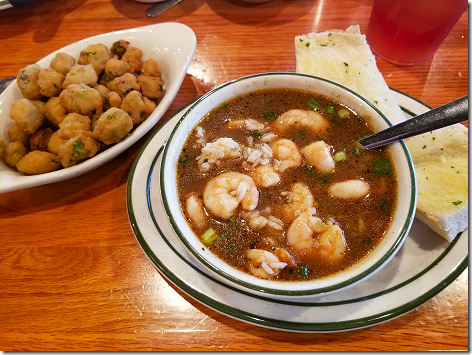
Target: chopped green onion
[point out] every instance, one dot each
(303, 272)
(357, 150)
(383, 166)
(343, 113)
(230, 248)
(184, 159)
(232, 219)
(255, 134)
(269, 116)
(310, 169)
(330, 109)
(313, 104)
(455, 203)
(340, 156)
(368, 241)
(209, 236)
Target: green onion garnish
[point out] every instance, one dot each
(340, 156)
(209, 236)
(313, 104)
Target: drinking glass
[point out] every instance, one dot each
(409, 32)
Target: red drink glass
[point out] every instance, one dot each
(409, 32)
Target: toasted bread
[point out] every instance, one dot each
(346, 58)
(441, 166)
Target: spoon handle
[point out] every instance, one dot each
(442, 116)
(160, 7)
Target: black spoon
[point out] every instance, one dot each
(442, 116)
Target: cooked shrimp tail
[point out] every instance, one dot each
(225, 192)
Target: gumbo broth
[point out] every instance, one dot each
(269, 201)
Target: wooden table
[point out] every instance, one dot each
(73, 276)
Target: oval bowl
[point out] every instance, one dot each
(171, 44)
(365, 268)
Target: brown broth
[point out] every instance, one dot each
(373, 212)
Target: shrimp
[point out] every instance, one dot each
(349, 189)
(301, 120)
(331, 244)
(283, 255)
(225, 192)
(310, 234)
(301, 231)
(248, 124)
(286, 155)
(263, 264)
(299, 198)
(318, 155)
(265, 176)
(195, 209)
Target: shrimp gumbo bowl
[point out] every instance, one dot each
(265, 184)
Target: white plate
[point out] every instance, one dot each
(425, 265)
(172, 45)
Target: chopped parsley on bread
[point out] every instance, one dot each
(441, 166)
(346, 58)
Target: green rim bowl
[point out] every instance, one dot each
(361, 271)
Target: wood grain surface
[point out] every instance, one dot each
(73, 276)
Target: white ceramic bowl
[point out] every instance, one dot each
(171, 44)
(378, 258)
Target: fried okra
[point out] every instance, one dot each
(112, 126)
(50, 82)
(135, 106)
(2, 146)
(78, 148)
(82, 99)
(62, 63)
(39, 140)
(151, 68)
(96, 55)
(109, 98)
(73, 124)
(102, 90)
(119, 48)
(124, 84)
(150, 104)
(54, 111)
(38, 162)
(151, 87)
(13, 153)
(26, 115)
(27, 80)
(81, 74)
(17, 134)
(134, 57)
(55, 142)
(114, 68)
(112, 99)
